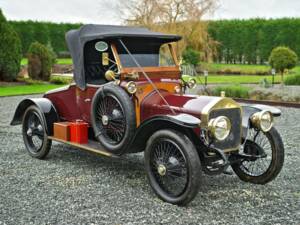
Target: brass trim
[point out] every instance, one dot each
(105, 59)
(217, 103)
(212, 126)
(256, 119)
(127, 85)
(110, 75)
(133, 75)
(116, 56)
(220, 103)
(173, 53)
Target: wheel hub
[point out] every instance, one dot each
(29, 132)
(162, 170)
(104, 120)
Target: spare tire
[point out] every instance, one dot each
(113, 118)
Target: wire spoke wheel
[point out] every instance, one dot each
(173, 166)
(113, 118)
(110, 119)
(265, 157)
(168, 166)
(259, 146)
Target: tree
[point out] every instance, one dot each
(10, 51)
(40, 61)
(283, 58)
(184, 17)
(191, 56)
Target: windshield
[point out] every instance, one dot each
(162, 58)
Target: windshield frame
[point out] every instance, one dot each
(121, 67)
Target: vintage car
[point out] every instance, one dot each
(129, 92)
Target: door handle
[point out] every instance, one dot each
(87, 100)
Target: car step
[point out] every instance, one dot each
(91, 146)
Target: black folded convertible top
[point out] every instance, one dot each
(76, 40)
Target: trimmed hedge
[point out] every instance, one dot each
(44, 33)
(40, 62)
(240, 41)
(234, 91)
(292, 80)
(60, 80)
(252, 40)
(10, 51)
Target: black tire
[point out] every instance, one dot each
(269, 171)
(34, 133)
(186, 166)
(113, 103)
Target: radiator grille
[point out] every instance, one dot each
(233, 141)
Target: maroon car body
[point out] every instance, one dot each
(128, 89)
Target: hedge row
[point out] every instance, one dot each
(251, 41)
(44, 32)
(240, 41)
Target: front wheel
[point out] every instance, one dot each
(266, 157)
(173, 167)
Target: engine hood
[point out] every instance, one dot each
(198, 106)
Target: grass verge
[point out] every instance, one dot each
(27, 89)
(237, 79)
(63, 61)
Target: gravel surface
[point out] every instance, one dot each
(75, 187)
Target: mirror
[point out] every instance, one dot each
(105, 59)
(101, 46)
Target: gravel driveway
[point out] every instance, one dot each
(75, 187)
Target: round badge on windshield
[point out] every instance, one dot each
(101, 46)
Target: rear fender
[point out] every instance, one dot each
(46, 107)
(183, 123)
(249, 110)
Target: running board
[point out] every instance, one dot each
(91, 146)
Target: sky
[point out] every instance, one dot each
(103, 11)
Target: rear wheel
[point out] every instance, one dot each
(173, 167)
(266, 157)
(34, 133)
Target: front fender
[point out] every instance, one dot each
(182, 122)
(46, 107)
(249, 110)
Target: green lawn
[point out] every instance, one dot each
(238, 79)
(27, 89)
(63, 61)
(244, 68)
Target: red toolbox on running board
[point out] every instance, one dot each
(79, 132)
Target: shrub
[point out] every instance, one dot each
(60, 80)
(292, 80)
(10, 51)
(234, 91)
(29, 81)
(40, 62)
(264, 83)
(191, 56)
(283, 58)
